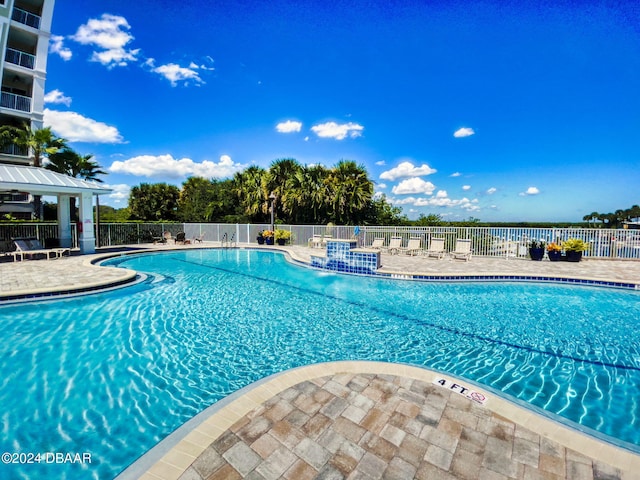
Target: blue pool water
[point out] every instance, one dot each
(111, 374)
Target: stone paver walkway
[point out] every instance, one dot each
(367, 426)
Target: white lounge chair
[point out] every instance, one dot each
(31, 246)
(436, 248)
(315, 241)
(394, 245)
(462, 250)
(414, 246)
(378, 243)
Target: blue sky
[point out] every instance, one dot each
(502, 111)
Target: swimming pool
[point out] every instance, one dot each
(111, 374)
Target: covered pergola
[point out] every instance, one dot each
(40, 181)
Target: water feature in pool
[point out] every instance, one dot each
(111, 374)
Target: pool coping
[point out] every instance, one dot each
(173, 455)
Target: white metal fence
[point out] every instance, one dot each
(486, 241)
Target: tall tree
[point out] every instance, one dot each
(154, 202)
(39, 143)
(69, 162)
(279, 180)
(251, 190)
(351, 192)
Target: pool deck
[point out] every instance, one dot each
(362, 420)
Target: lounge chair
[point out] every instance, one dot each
(378, 243)
(462, 250)
(436, 248)
(395, 244)
(31, 247)
(414, 246)
(199, 238)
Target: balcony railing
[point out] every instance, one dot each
(26, 18)
(15, 102)
(20, 58)
(14, 149)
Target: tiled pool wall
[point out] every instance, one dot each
(342, 256)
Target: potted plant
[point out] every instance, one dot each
(536, 249)
(573, 248)
(268, 236)
(554, 252)
(282, 236)
(260, 237)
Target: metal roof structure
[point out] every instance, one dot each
(40, 181)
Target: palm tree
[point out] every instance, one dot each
(39, 143)
(68, 162)
(251, 189)
(309, 188)
(351, 191)
(280, 182)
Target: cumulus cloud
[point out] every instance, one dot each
(407, 169)
(463, 132)
(381, 186)
(413, 185)
(167, 166)
(456, 174)
(289, 126)
(466, 187)
(56, 45)
(380, 162)
(492, 190)
(56, 96)
(76, 128)
(120, 194)
(176, 74)
(336, 131)
(109, 34)
(530, 191)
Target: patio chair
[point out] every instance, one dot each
(378, 243)
(31, 247)
(181, 238)
(436, 248)
(414, 246)
(462, 250)
(199, 238)
(395, 244)
(326, 238)
(315, 241)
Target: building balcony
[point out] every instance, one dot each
(17, 57)
(15, 150)
(26, 18)
(15, 102)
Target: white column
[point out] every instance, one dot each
(64, 221)
(86, 238)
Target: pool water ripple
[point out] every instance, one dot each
(114, 373)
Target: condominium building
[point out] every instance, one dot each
(25, 28)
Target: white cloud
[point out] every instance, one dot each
(440, 200)
(407, 169)
(456, 174)
(289, 126)
(56, 45)
(110, 35)
(76, 128)
(56, 96)
(466, 187)
(463, 132)
(381, 186)
(492, 190)
(167, 166)
(380, 162)
(531, 191)
(175, 73)
(413, 185)
(338, 132)
(120, 194)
